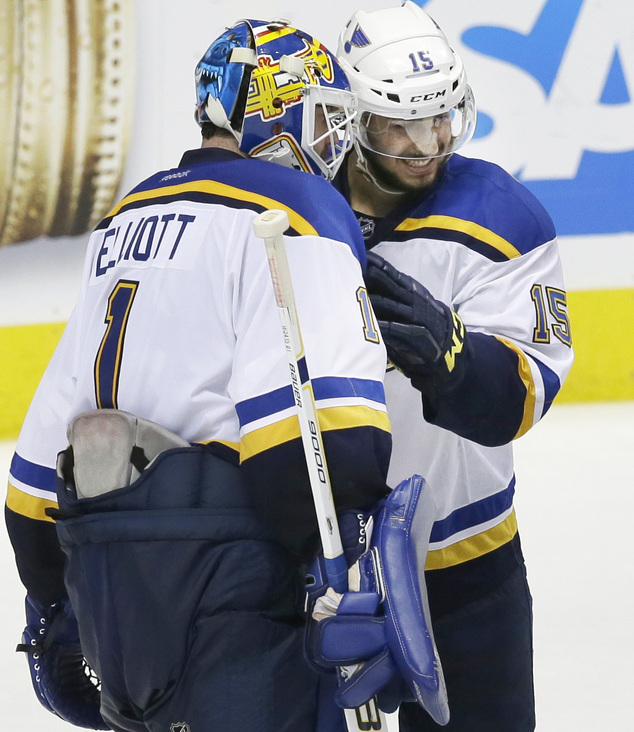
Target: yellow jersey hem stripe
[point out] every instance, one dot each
(29, 506)
(474, 546)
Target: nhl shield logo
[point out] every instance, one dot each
(180, 727)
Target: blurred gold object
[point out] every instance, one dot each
(66, 93)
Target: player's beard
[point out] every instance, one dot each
(390, 181)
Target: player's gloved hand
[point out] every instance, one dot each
(378, 635)
(348, 634)
(355, 528)
(423, 336)
(63, 682)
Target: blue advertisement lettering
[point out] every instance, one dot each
(553, 82)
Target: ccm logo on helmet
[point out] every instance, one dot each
(428, 97)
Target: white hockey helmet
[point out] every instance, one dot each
(400, 65)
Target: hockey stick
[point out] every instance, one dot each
(270, 226)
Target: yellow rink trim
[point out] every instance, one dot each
(602, 324)
(25, 350)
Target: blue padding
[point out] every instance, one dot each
(384, 629)
(402, 536)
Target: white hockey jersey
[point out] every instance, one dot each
(176, 322)
(482, 244)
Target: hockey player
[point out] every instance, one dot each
(466, 281)
(182, 567)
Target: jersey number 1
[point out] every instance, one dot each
(370, 331)
(108, 361)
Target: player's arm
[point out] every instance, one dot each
(346, 361)
(487, 370)
(31, 484)
(51, 637)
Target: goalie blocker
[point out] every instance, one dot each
(380, 635)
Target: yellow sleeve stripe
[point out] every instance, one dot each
(27, 505)
(465, 227)
(474, 546)
(526, 376)
(299, 223)
(235, 446)
(332, 418)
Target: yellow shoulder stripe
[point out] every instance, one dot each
(465, 227)
(299, 223)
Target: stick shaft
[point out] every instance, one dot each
(270, 226)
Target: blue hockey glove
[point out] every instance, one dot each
(379, 634)
(63, 682)
(423, 336)
(355, 528)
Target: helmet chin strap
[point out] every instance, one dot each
(362, 165)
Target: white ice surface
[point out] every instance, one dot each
(575, 506)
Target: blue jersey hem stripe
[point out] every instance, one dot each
(37, 476)
(474, 514)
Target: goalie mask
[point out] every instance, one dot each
(280, 93)
(413, 96)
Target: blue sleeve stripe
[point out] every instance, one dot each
(262, 406)
(326, 387)
(33, 474)
(552, 385)
(474, 514)
(332, 387)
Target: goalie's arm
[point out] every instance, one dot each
(358, 458)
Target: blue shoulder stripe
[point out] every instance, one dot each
(481, 206)
(314, 206)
